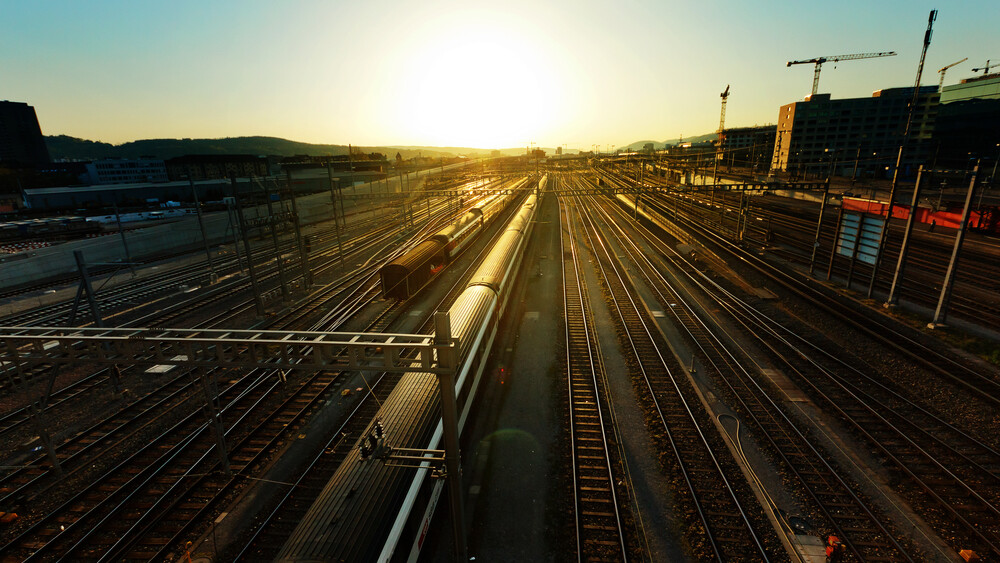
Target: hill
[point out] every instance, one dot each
(661, 144)
(72, 148)
(63, 146)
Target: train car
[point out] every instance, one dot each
(370, 511)
(504, 259)
(404, 276)
(457, 235)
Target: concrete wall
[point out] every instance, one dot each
(183, 235)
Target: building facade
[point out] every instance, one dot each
(216, 167)
(21, 141)
(821, 136)
(126, 171)
(968, 123)
(746, 146)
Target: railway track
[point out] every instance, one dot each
(954, 477)
(181, 479)
(847, 514)
(182, 484)
(788, 232)
(105, 435)
(266, 540)
(883, 329)
(599, 527)
(164, 285)
(725, 523)
(62, 397)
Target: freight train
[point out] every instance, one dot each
(370, 511)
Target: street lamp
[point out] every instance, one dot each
(832, 154)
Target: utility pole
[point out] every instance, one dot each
(897, 278)
(819, 228)
(121, 231)
(114, 372)
(449, 422)
(85, 287)
(941, 313)
(336, 223)
(213, 412)
(854, 174)
(306, 272)
(350, 163)
(899, 154)
(235, 225)
(274, 238)
(257, 301)
(212, 276)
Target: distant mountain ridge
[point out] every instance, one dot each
(72, 148)
(661, 144)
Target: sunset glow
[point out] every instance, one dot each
(483, 87)
(498, 74)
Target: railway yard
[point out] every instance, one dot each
(640, 369)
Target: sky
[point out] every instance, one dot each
(498, 74)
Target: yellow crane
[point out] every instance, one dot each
(722, 119)
(818, 61)
(945, 69)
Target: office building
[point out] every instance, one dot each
(819, 134)
(968, 123)
(743, 146)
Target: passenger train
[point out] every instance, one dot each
(370, 511)
(404, 276)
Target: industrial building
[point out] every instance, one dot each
(140, 194)
(821, 136)
(216, 166)
(126, 171)
(21, 141)
(749, 145)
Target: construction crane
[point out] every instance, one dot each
(818, 61)
(945, 69)
(986, 69)
(722, 119)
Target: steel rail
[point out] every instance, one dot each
(700, 493)
(599, 527)
(783, 427)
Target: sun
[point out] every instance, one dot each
(485, 87)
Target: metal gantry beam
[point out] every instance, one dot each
(24, 347)
(650, 189)
(433, 193)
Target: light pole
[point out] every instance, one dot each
(854, 174)
(874, 175)
(832, 154)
